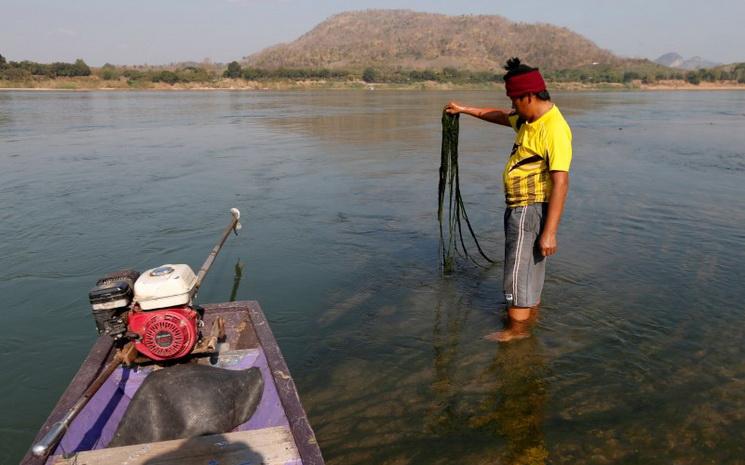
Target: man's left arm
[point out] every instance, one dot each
(547, 241)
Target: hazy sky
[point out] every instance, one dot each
(165, 31)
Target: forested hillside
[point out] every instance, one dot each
(410, 40)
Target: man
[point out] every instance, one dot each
(536, 181)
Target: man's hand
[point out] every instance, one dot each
(547, 244)
(453, 108)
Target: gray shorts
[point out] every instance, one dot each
(524, 265)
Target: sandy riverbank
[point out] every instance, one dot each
(94, 83)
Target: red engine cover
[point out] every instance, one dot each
(165, 334)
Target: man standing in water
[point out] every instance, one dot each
(536, 182)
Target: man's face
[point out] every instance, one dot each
(521, 104)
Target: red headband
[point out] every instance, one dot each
(526, 83)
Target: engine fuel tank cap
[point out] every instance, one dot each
(162, 271)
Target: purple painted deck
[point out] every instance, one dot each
(250, 344)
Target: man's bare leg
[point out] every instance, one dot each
(535, 310)
(518, 327)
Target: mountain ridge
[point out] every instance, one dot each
(675, 60)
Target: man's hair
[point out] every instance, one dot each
(515, 68)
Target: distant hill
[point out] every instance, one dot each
(675, 60)
(410, 40)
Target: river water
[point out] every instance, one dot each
(638, 356)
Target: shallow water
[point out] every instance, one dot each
(638, 356)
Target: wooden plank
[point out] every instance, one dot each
(268, 446)
(305, 438)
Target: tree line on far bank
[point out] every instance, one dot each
(26, 70)
(648, 73)
(644, 71)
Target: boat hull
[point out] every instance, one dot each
(249, 343)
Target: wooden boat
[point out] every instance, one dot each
(277, 433)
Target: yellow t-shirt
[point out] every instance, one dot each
(540, 147)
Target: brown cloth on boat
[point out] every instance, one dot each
(186, 401)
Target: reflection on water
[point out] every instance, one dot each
(637, 357)
(449, 321)
(515, 407)
(508, 394)
(238, 274)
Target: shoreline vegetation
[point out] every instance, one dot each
(27, 75)
(93, 84)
